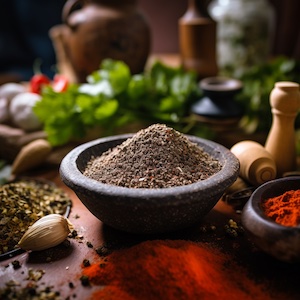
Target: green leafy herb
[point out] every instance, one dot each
(112, 97)
(258, 83)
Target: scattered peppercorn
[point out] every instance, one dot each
(16, 264)
(73, 234)
(86, 263)
(233, 229)
(230, 232)
(13, 291)
(89, 244)
(85, 280)
(102, 265)
(103, 251)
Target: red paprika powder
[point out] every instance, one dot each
(284, 209)
(167, 269)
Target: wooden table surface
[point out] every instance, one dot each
(62, 265)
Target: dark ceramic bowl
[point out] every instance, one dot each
(281, 242)
(218, 99)
(147, 210)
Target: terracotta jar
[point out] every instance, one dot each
(99, 29)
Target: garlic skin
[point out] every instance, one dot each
(47, 232)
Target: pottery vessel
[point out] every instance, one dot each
(218, 99)
(99, 29)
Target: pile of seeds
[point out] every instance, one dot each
(155, 157)
(24, 202)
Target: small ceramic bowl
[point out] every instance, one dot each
(218, 99)
(142, 210)
(281, 242)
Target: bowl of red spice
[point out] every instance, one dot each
(271, 218)
(154, 181)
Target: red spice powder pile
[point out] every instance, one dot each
(165, 269)
(284, 209)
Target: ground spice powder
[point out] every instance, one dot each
(284, 209)
(155, 157)
(171, 269)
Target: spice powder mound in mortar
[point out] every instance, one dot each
(155, 157)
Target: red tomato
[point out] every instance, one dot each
(37, 82)
(60, 83)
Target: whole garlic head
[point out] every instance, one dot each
(21, 111)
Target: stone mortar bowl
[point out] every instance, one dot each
(281, 242)
(141, 210)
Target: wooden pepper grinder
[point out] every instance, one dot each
(281, 142)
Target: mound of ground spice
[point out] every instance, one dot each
(284, 209)
(155, 157)
(171, 269)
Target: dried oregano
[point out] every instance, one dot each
(155, 157)
(24, 202)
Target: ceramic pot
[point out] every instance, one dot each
(219, 101)
(99, 29)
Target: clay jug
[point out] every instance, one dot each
(99, 29)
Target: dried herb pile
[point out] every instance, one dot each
(155, 157)
(24, 202)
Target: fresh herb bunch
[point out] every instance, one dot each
(113, 97)
(258, 83)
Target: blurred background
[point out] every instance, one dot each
(26, 47)
(24, 26)
(163, 17)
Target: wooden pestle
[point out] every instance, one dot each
(281, 141)
(256, 163)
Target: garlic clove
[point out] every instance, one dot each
(47, 232)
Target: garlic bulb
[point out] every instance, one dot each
(21, 111)
(45, 233)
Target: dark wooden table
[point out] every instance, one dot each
(62, 265)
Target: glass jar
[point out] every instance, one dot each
(244, 33)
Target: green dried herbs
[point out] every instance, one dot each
(24, 202)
